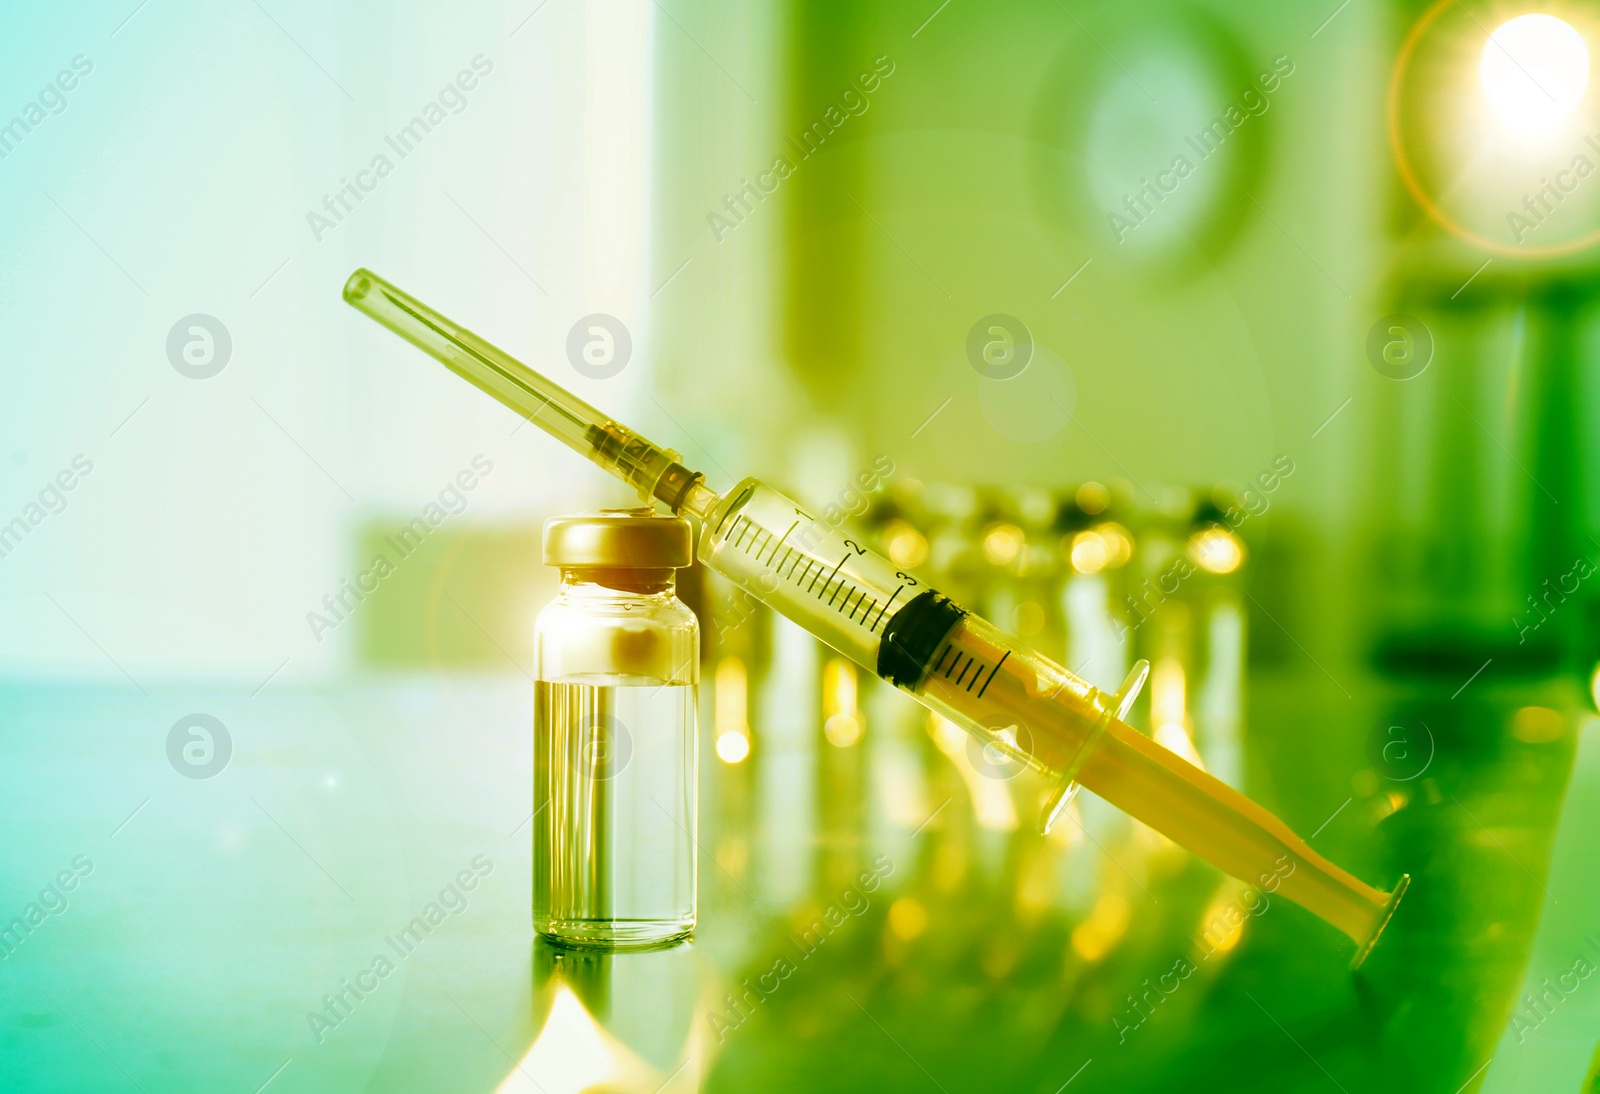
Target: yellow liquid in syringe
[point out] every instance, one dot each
(1049, 719)
(1022, 703)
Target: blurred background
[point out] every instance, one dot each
(1253, 340)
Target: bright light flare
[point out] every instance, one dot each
(732, 747)
(1534, 71)
(730, 691)
(574, 1054)
(1216, 550)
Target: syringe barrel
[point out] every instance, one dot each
(1013, 698)
(890, 622)
(826, 581)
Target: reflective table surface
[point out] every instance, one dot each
(331, 892)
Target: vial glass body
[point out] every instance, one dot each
(615, 784)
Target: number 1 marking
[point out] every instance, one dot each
(775, 546)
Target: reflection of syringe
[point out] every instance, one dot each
(959, 665)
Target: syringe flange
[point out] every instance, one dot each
(1111, 710)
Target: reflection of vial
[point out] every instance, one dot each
(615, 788)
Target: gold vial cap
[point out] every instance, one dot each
(635, 539)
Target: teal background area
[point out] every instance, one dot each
(1393, 580)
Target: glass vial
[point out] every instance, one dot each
(616, 696)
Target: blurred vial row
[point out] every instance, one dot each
(1097, 577)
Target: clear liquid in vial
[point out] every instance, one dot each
(615, 821)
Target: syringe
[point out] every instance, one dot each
(888, 621)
